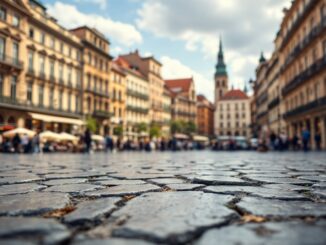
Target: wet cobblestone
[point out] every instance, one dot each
(163, 198)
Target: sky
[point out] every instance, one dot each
(183, 34)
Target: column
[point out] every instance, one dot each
(323, 131)
(312, 133)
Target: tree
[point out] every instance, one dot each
(91, 124)
(155, 131)
(118, 131)
(176, 127)
(190, 128)
(141, 127)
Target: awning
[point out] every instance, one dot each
(53, 119)
(181, 136)
(200, 138)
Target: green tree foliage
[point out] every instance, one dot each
(141, 127)
(91, 124)
(155, 131)
(118, 131)
(183, 127)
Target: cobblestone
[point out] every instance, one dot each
(168, 198)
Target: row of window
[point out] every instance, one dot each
(15, 18)
(236, 106)
(237, 116)
(97, 84)
(236, 124)
(98, 63)
(97, 105)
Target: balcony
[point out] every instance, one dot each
(275, 102)
(42, 75)
(13, 103)
(314, 105)
(31, 71)
(314, 33)
(262, 114)
(102, 114)
(262, 98)
(300, 79)
(184, 114)
(8, 62)
(137, 94)
(137, 109)
(308, 8)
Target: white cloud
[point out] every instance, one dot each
(70, 17)
(101, 3)
(247, 27)
(174, 69)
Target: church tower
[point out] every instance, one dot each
(221, 76)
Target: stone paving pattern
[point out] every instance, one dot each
(198, 198)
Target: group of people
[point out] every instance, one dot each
(282, 142)
(20, 144)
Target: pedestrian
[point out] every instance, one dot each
(272, 139)
(108, 143)
(295, 142)
(88, 140)
(36, 143)
(25, 143)
(318, 140)
(305, 139)
(16, 142)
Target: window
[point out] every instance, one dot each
(221, 125)
(89, 58)
(69, 75)
(69, 101)
(52, 43)
(61, 72)
(31, 33)
(30, 91)
(51, 97)
(42, 38)
(3, 13)
(41, 95)
(15, 20)
(60, 99)
(70, 51)
(2, 47)
(61, 47)
(30, 61)
(13, 87)
(76, 104)
(52, 69)
(1, 84)
(42, 64)
(89, 81)
(15, 51)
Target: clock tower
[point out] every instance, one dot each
(221, 76)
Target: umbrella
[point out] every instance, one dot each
(68, 137)
(20, 131)
(49, 135)
(97, 137)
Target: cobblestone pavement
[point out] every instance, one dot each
(199, 198)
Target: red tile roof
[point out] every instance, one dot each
(126, 66)
(182, 84)
(235, 94)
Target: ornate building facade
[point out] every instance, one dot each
(205, 116)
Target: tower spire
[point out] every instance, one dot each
(220, 67)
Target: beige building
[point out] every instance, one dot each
(233, 111)
(40, 73)
(295, 75)
(137, 97)
(150, 68)
(119, 97)
(166, 112)
(96, 76)
(183, 102)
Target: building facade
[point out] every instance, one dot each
(234, 114)
(205, 116)
(183, 99)
(96, 75)
(137, 98)
(150, 68)
(295, 76)
(40, 72)
(166, 112)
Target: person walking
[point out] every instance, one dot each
(305, 139)
(36, 143)
(318, 140)
(25, 143)
(88, 140)
(16, 141)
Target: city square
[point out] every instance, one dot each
(163, 198)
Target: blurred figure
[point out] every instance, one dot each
(273, 139)
(109, 143)
(16, 141)
(36, 143)
(305, 139)
(295, 142)
(318, 140)
(88, 140)
(25, 143)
